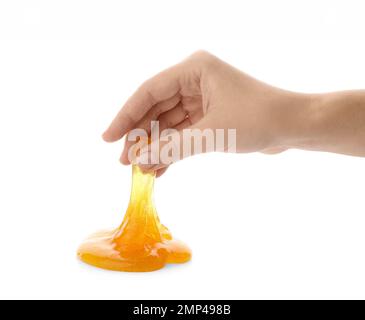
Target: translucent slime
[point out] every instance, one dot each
(141, 243)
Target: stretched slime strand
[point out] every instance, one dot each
(141, 243)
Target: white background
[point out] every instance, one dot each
(285, 226)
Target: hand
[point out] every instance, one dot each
(204, 92)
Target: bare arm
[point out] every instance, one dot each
(205, 92)
(336, 123)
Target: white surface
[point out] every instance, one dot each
(286, 226)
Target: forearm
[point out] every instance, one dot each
(332, 122)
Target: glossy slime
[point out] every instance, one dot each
(141, 243)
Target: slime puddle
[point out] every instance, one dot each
(141, 243)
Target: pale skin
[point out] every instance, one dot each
(205, 92)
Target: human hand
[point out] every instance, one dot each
(203, 92)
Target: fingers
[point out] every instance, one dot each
(161, 87)
(183, 125)
(172, 147)
(145, 123)
(175, 118)
(172, 117)
(160, 172)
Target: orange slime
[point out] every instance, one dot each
(141, 243)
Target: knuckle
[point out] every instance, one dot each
(201, 54)
(205, 59)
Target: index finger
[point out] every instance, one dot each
(159, 88)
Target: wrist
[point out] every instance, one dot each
(297, 114)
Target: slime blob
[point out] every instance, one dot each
(141, 243)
